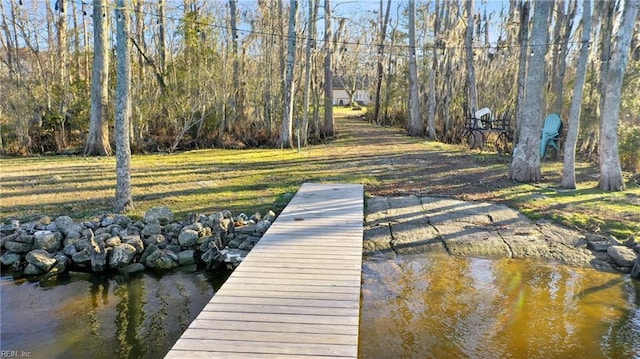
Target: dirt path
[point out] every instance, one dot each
(407, 166)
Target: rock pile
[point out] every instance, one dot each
(48, 247)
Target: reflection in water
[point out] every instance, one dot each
(442, 307)
(84, 316)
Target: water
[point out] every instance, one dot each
(83, 316)
(412, 307)
(442, 307)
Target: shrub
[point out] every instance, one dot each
(629, 146)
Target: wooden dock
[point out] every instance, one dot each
(297, 294)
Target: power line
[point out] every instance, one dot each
(344, 43)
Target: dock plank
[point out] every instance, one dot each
(297, 293)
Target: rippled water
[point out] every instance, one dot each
(412, 307)
(442, 307)
(84, 316)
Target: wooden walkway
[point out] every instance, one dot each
(297, 294)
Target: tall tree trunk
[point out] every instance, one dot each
(286, 138)
(85, 34)
(234, 106)
(380, 66)
(162, 37)
(471, 72)
(561, 55)
(98, 138)
(328, 129)
(568, 170)
(139, 36)
(63, 80)
(123, 199)
(311, 32)
(610, 172)
(522, 66)
(431, 117)
(416, 127)
(525, 166)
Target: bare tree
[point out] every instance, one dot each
(416, 127)
(431, 117)
(311, 33)
(328, 129)
(525, 166)
(522, 65)
(568, 170)
(468, 46)
(98, 137)
(124, 199)
(286, 139)
(610, 171)
(384, 21)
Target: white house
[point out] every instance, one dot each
(341, 98)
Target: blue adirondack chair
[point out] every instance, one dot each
(550, 133)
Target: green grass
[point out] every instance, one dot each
(383, 159)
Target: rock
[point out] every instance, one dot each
(151, 229)
(135, 241)
(188, 238)
(41, 259)
(226, 214)
(166, 259)
(113, 241)
(13, 225)
(269, 216)
(121, 255)
(156, 239)
(31, 270)
(106, 221)
(262, 226)
(11, 237)
(121, 220)
(10, 259)
(599, 243)
(18, 247)
(45, 220)
(159, 215)
(133, 268)
(175, 248)
(635, 271)
(65, 224)
(99, 257)
(186, 258)
(245, 245)
(256, 217)
(149, 249)
(46, 240)
(60, 267)
(233, 257)
(241, 219)
(247, 229)
(69, 250)
(82, 256)
(622, 256)
(234, 243)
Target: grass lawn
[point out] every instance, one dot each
(383, 159)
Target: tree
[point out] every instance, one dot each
(328, 129)
(522, 65)
(568, 170)
(416, 128)
(124, 199)
(380, 69)
(431, 112)
(610, 171)
(98, 137)
(468, 46)
(525, 166)
(311, 32)
(287, 113)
